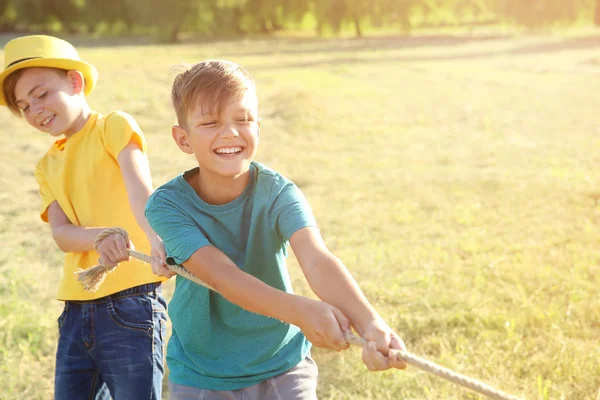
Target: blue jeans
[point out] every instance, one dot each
(112, 346)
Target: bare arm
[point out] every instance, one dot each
(69, 237)
(333, 283)
(138, 182)
(330, 279)
(74, 238)
(321, 323)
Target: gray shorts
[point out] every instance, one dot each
(299, 383)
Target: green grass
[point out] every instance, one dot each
(457, 177)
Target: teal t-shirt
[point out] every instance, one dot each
(215, 344)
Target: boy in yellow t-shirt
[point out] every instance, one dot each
(96, 175)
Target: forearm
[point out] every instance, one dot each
(245, 290)
(70, 238)
(138, 181)
(345, 294)
(73, 238)
(137, 201)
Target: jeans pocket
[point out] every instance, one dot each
(63, 315)
(133, 313)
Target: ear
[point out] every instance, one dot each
(77, 81)
(180, 137)
(258, 124)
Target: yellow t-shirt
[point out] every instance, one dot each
(82, 174)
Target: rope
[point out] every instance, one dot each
(93, 277)
(440, 371)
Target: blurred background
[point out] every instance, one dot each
(450, 151)
(168, 20)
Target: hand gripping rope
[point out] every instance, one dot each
(92, 278)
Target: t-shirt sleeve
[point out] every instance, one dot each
(181, 235)
(291, 211)
(45, 192)
(120, 128)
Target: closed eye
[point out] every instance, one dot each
(41, 96)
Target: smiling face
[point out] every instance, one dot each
(224, 142)
(51, 100)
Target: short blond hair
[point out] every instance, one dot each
(212, 84)
(10, 83)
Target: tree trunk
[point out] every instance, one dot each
(263, 26)
(357, 26)
(276, 25)
(236, 19)
(129, 21)
(174, 38)
(319, 29)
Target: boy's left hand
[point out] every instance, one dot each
(159, 257)
(379, 340)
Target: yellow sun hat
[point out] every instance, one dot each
(44, 51)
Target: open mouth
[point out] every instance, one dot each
(228, 151)
(48, 120)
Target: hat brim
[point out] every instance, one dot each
(90, 73)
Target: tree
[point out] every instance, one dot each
(30, 12)
(335, 13)
(358, 10)
(295, 10)
(65, 11)
(109, 12)
(5, 25)
(169, 16)
(537, 13)
(329, 13)
(263, 13)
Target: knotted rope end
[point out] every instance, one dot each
(92, 278)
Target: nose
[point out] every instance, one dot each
(229, 130)
(36, 107)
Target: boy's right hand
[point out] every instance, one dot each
(113, 249)
(322, 324)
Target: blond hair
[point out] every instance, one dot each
(10, 83)
(211, 84)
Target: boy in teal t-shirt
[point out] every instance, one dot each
(228, 221)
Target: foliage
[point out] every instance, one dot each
(108, 12)
(537, 13)
(218, 17)
(171, 18)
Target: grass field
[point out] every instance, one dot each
(457, 177)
